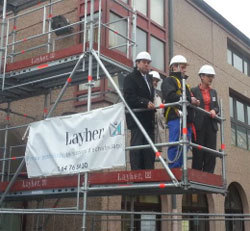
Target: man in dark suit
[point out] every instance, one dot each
(139, 93)
(206, 127)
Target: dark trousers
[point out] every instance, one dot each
(141, 158)
(203, 160)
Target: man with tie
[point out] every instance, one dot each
(139, 93)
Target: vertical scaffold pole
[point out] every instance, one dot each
(134, 32)
(5, 142)
(14, 32)
(99, 36)
(84, 32)
(132, 216)
(49, 27)
(90, 71)
(184, 131)
(2, 37)
(90, 77)
(222, 144)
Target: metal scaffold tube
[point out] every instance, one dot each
(2, 49)
(222, 145)
(184, 132)
(5, 142)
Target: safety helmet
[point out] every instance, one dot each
(155, 75)
(143, 55)
(178, 59)
(207, 69)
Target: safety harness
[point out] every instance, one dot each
(178, 92)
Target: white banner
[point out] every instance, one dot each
(82, 142)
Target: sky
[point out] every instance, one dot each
(237, 12)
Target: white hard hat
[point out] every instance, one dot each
(143, 55)
(207, 69)
(155, 75)
(178, 59)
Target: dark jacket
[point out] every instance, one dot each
(199, 116)
(137, 95)
(169, 90)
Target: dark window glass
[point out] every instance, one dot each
(233, 205)
(240, 122)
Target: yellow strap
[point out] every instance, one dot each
(178, 92)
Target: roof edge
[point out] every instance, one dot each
(220, 19)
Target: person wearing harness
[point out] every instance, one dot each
(206, 127)
(139, 93)
(172, 92)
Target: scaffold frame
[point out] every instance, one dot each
(91, 56)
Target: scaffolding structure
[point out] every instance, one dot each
(78, 66)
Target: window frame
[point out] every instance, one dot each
(235, 50)
(237, 124)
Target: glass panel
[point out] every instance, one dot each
(141, 40)
(248, 139)
(233, 140)
(157, 11)
(157, 53)
(248, 115)
(126, 1)
(231, 107)
(141, 6)
(238, 62)
(116, 40)
(241, 137)
(240, 111)
(245, 68)
(229, 56)
(115, 78)
(148, 222)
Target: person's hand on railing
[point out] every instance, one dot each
(195, 101)
(151, 105)
(213, 113)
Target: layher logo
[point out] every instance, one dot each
(116, 129)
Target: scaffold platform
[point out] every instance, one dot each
(117, 183)
(36, 75)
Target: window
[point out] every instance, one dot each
(157, 53)
(240, 122)
(233, 205)
(195, 204)
(157, 11)
(96, 17)
(238, 59)
(141, 37)
(145, 203)
(141, 6)
(119, 25)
